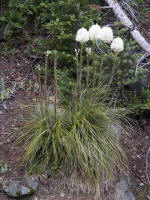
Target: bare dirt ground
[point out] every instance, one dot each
(11, 122)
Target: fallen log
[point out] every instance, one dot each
(124, 19)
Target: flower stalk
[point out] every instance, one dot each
(93, 64)
(87, 72)
(77, 64)
(40, 87)
(80, 74)
(55, 84)
(112, 73)
(46, 68)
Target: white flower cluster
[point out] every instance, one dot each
(117, 45)
(82, 35)
(95, 32)
(104, 34)
(107, 34)
(48, 52)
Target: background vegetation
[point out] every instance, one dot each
(53, 24)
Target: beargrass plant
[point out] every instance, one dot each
(78, 141)
(81, 146)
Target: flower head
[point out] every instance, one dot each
(95, 32)
(48, 53)
(88, 50)
(107, 34)
(117, 45)
(82, 35)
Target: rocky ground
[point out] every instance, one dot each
(12, 119)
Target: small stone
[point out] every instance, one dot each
(117, 130)
(1, 112)
(122, 191)
(33, 182)
(147, 137)
(4, 105)
(15, 189)
(35, 198)
(62, 194)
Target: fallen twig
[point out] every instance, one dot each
(141, 60)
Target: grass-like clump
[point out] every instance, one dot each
(81, 147)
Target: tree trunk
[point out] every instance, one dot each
(127, 22)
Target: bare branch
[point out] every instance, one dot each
(140, 61)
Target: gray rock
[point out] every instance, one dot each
(62, 194)
(33, 182)
(118, 130)
(147, 137)
(48, 173)
(4, 105)
(122, 190)
(15, 189)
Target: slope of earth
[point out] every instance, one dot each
(13, 79)
(136, 147)
(144, 11)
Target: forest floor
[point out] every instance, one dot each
(12, 120)
(15, 71)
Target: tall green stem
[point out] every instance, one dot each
(101, 64)
(93, 64)
(46, 67)
(112, 73)
(87, 72)
(80, 74)
(40, 89)
(55, 84)
(77, 63)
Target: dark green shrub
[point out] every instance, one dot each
(57, 20)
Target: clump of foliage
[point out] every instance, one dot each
(76, 141)
(81, 146)
(57, 21)
(6, 92)
(3, 167)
